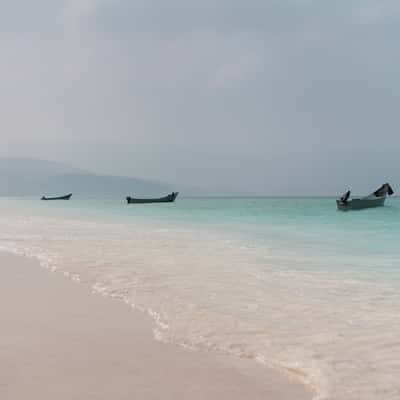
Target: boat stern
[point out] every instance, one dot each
(343, 206)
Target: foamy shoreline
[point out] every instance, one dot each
(60, 341)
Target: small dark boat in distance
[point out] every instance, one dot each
(167, 199)
(66, 197)
(375, 199)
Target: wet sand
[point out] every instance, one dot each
(59, 341)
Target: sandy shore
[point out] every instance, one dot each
(58, 341)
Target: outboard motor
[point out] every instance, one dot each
(384, 190)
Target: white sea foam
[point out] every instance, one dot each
(301, 312)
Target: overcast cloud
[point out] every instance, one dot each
(265, 97)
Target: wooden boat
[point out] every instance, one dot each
(167, 199)
(66, 197)
(375, 199)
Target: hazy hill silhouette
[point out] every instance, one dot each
(23, 177)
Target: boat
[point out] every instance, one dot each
(66, 197)
(375, 199)
(170, 198)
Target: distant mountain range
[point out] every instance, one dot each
(23, 177)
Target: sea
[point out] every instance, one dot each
(288, 282)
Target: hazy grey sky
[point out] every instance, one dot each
(250, 96)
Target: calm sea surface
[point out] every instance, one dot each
(292, 283)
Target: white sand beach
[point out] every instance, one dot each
(59, 341)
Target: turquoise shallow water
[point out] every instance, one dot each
(289, 282)
(311, 226)
(300, 219)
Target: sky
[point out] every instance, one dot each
(280, 97)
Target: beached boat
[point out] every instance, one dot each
(166, 199)
(375, 199)
(66, 197)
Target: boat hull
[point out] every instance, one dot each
(67, 197)
(360, 204)
(167, 199)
